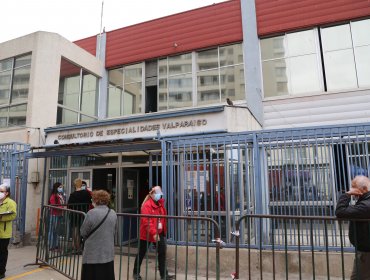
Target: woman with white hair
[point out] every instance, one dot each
(8, 212)
(359, 232)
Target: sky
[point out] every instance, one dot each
(78, 19)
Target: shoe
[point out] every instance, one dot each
(136, 277)
(168, 277)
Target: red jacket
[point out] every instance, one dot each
(148, 226)
(56, 200)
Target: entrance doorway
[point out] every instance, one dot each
(84, 175)
(106, 179)
(135, 187)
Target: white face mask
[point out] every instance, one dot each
(2, 195)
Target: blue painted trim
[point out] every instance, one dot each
(279, 133)
(75, 150)
(146, 117)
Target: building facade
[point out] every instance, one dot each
(119, 109)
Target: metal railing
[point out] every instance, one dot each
(195, 254)
(293, 250)
(275, 247)
(58, 244)
(293, 171)
(13, 170)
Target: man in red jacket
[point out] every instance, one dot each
(153, 230)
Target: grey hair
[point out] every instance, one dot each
(361, 182)
(7, 188)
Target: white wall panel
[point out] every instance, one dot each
(316, 110)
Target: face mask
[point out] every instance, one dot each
(2, 195)
(83, 187)
(60, 190)
(157, 196)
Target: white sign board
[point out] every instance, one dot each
(195, 177)
(140, 129)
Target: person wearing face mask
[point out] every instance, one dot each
(153, 230)
(55, 220)
(79, 200)
(85, 187)
(8, 212)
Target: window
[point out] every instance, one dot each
(217, 74)
(346, 50)
(297, 59)
(175, 82)
(183, 81)
(125, 90)
(14, 87)
(338, 57)
(78, 95)
(290, 64)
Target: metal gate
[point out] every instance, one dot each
(300, 171)
(13, 170)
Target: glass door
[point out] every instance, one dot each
(129, 203)
(85, 175)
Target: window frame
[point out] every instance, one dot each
(9, 104)
(62, 108)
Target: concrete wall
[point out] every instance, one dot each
(47, 50)
(191, 255)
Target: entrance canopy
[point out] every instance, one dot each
(69, 150)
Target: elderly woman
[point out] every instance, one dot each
(8, 212)
(99, 224)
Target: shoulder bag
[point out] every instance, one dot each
(83, 239)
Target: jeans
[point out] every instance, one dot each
(4, 242)
(53, 231)
(161, 250)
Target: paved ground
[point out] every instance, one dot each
(21, 259)
(16, 269)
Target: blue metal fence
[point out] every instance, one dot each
(300, 171)
(13, 169)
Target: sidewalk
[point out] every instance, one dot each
(19, 257)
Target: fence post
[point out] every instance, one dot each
(257, 185)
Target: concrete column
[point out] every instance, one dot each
(252, 60)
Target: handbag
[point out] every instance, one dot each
(83, 239)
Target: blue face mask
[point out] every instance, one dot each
(60, 190)
(157, 196)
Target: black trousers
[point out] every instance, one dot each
(4, 242)
(97, 271)
(161, 251)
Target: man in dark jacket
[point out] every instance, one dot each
(359, 232)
